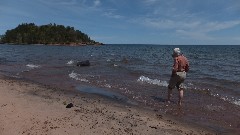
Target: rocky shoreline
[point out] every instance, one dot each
(59, 44)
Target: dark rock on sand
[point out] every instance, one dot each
(69, 105)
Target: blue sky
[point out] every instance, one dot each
(133, 21)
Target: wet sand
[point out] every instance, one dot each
(28, 108)
(205, 110)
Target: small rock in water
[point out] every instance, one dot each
(69, 105)
(83, 63)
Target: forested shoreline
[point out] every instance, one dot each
(50, 34)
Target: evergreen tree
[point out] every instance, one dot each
(29, 33)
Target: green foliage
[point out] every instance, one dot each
(1, 36)
(46, 34)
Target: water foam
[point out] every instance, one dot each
(70, 62)
(108, 85)
(152, 81)
(231, 100)
(32, 66)
(77, 77)
(237, 102)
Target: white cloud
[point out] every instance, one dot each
(97, 3)
(234, 7)
(69, 2)
(214, 26)
(236, 39)
(189, 25)
(64, 3)
(169, 24)
(149, 1)
(193, 35)
(112, 15)
(197, 29)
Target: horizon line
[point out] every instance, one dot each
(169, 44)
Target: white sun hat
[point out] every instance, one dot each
(176, 52)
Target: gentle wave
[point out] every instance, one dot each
(32, 66)
(152, 81)
(229, 99)
(237, 103)
(77, 77)
(70, 62)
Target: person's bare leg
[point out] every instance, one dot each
(169, 95)
(180, 96)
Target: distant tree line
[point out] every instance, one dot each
(29, 33)
(1, 36)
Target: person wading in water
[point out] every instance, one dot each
(180, 67)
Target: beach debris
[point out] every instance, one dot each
(77, 110)
(153, 127)
(128, 130)
(64, 103)
(83, 63)
(70, 105)
(4, 105)
(159, 116)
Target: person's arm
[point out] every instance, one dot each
(187, 66)
(175, 66)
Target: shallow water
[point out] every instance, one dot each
(139, 73)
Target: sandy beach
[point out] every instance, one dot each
(33, 109)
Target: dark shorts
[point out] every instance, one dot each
(177, 80)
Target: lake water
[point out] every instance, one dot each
(136, 73)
